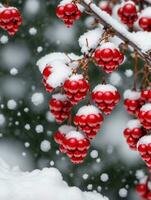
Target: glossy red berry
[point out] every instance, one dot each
(105, 6)
(76, 88)
(89, 120)
(128, 13)
(108, 57)
(106, 97)
(46, 73)
(60, 107)
(146, 95)
(68, 13)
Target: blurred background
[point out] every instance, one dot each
(27, 126)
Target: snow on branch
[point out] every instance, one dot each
(140, 41)
(39, 184)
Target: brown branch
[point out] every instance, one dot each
(92, 7)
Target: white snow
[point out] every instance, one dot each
(60, 72)
(134, 123)
(64, 129)
(4, 39)
(109, 45)
(11, 104)
(45, 146)
(94, 154)
(37, 98)
(144, 140)
(76, 77)
(2, 120)
(131, 94)
(145, 12)
(87, 110)
(33, 31)
(115, 78)
(123, 192)
(50, 117)
(39, 184)
(104, 177)
(90, 39)
(128, 73)
(39, 128)
(69, 59)
(75, 134)
(104, 88)
(59, 96)
(146, 107)
(64, 2)
(14, 71)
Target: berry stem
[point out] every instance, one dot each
(135, 69)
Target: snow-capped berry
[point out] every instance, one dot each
(10, 19)
(132, 101)
(89, 119)
(76, 145)
(106, 97)
(46, 73)
(145, 23)
(128, 13)
(146, 95)
(60, 107)
(105, 6)
(133, 133)
(144, 116)
(144, 148)
(108, 57)
(76, 88)
(68, 13)
(61, 132)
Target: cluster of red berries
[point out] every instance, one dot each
(76, 88)
(144, 116)
(143, 189)
(108, 57)
(128, 13)
(132, 101)
(106, 97)
(133, 133)
(73, 143)
(10, 19)
(89, 120)
(144, 148)
(145, 23)
(68, 13)
(60, 107)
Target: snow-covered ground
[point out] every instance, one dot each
(39, 184)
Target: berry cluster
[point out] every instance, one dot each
(144, 116)
(76, 88)
(133, 133)
(108, 57)
(89, 120)
(144, 148)
(60, 107)
(73, 143)
(106, 97)
(144, 190)
(10, 19)
(68, 13)
(128, 13)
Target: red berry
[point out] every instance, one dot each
(144, 116)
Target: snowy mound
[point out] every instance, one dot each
(39, 184)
